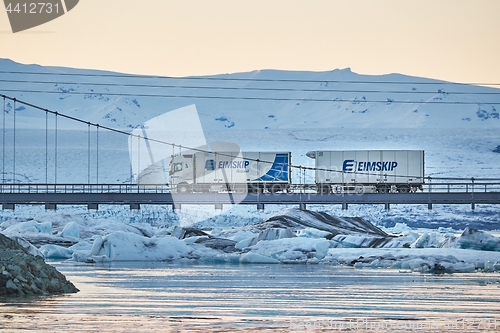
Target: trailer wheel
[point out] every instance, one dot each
(324, 189)
(382, 188)
(403, 188)
(183, 188)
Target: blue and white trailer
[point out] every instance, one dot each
(222, 171)
(365, 171)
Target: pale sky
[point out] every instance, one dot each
(454, 40)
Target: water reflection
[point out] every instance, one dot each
(162, 297)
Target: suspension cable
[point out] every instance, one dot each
(138, 157)
(131, 150)
(88, 152)
(14, 153)
(97, 154)
(55, 151)
(46, 147)
(3, 142)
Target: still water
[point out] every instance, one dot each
(161, 297)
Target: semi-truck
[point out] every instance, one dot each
(221, 171)
(362, 171)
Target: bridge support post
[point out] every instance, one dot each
(429, 206)
(93, 206)
(302, 206)
(135, 206)
(473, 206)
(219, 206)
(50, 206)
(345, 206)
(176, 206)
(387, 206)
(260, 206)
(8, 206)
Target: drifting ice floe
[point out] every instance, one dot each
(292, 236)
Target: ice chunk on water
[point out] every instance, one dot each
(430, 239)
(56, 252)
(29, 227)
(123, 246)
(478, 240)
(71, 230)
(255, 258)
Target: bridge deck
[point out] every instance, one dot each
(93, 199)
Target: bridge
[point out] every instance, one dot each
(53, 191)
(93, 195)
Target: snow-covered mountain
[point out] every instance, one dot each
(267, 99)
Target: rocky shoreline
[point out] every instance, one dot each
(24, 274)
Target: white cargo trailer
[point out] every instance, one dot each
(368, 170)
(230, 171)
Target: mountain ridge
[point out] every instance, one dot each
(256, 100)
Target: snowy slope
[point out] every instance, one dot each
(297, 100)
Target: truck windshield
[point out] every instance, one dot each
(175, 168)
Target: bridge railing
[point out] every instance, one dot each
(442, 187)
(83, 188)
(462, 187)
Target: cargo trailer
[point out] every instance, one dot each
(364, 171)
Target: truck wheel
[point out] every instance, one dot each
(240, 188)
(183, 188)
(275, 188)
(254, 188)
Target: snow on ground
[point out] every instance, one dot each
(291, 236)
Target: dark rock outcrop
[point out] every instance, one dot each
(23, 274)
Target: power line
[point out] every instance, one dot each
(3, 141)
(339, 100)
(250, 88)
(216, 78)
(139, 137)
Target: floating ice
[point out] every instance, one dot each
(292, 236)
(71, 230)
(255, 258)
(56, 252)
(126, 246)
(29, 227)
(478, 240)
